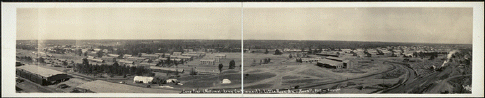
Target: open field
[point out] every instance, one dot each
(283, 72)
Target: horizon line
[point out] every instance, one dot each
(368, 41)
(263, 40)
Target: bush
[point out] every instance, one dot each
(232, 64)
(278, 52)
(193, 72)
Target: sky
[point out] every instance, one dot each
(128, 23)
(421, 25)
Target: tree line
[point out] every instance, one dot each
(114, 69)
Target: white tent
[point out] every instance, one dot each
(226, 81)
(143, 79)
(171, 81)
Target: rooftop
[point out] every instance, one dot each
(40, 70)
(330, 62)
(207, 60)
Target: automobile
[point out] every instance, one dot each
(62, 86)
(122, 82)
(19, 80)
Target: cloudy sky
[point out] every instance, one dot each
(129, 23)
(424, 25)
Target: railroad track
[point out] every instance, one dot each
(410, 75)
(333, 82)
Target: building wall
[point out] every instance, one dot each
(32, 77)
(58, 77)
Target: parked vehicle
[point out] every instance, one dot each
(62, 86)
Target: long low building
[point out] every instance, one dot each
(113, 55)
(207, 62)
(310, 60)
(96, 60)
(334, 58)
(100, 86)
(41, 75)
(151, 56)
(221, 56)
(334, 54)
(163, 69)
(328, 63)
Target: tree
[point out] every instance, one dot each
(99, 54)
(310, 50)
(168, 61)
(220, 67)
(85, 61)
(192, 71)
(116, 64)
(64, 63)
(298, 60)
(277, 52)
(41, 60)
(232, 64)
(176, 64)
(79, 52)
(290, 56)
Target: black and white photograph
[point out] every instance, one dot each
(127, 50)
(242, 49)
(359, 50)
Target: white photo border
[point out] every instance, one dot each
(9, 40)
